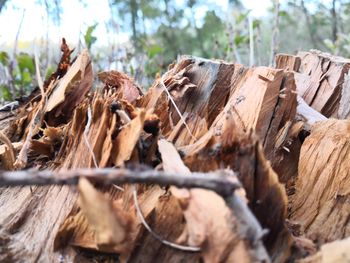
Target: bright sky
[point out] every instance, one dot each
(76, 18)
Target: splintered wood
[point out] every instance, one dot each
(266, 172)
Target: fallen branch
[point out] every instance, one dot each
(222, 182)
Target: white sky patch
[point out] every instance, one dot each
(75, 18)
(259, 8)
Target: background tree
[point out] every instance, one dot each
(161, 30)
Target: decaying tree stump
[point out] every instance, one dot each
(322, 81)
(321, 203)
(287, 161)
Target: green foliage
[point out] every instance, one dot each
(18, 79)
(50, 70)
(241, 17)
(4, 58)
(240, 39)
(88, 37)
(25, 63)
(5, 93)
(154, 50)
(25, 73)
(256, 23)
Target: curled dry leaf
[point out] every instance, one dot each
(114, 229)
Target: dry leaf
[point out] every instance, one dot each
(114, 228)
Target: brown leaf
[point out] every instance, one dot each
(114, 228)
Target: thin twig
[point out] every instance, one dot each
(38, 76)
(155, 235)
(10, 106)
(176, 108)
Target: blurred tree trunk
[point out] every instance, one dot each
(312, 34)
(198, 33)
(133, 11)
(334, 21)
(274, 37)
(2, 4)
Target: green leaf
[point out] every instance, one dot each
(24, 62)
(256, 23)
(154, 50)
(283, 13)
(329, 44)
(242, 17)
(4, 58)
(132, 70)
(89, 38)
(239, 39)
(26, 78)
(49, 71)
(5, 93)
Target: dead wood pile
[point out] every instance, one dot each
(215, 162)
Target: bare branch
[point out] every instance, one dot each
(222, 182)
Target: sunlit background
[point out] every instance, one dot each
(143, 37)
(71, 18)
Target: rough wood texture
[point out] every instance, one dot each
(259, 99)
(29, 219)
(322, 81)
(321, 203)
(105, 130)
(201, 116)
(287, 62)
